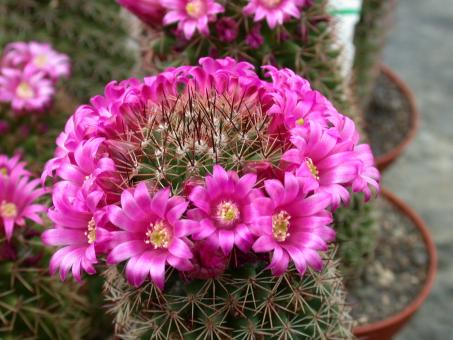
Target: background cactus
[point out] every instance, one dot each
(243, 303)
(90, 32)
(310, 50)
(34, 305)
(370, 37)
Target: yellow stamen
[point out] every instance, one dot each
(40, 60)
(280, 226)
(194, 8)
(227, 212)
(300, 121)
(25, 91)
(91, 232)
(312, 167)
(4, 172)
(8, 210)
(271, 3)
(158, 235)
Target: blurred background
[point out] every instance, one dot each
(420, 50)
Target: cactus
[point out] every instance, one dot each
(34, 305)
(356, 235)
(370, 37)
(243, 303)
(90, 32)
(308, 50)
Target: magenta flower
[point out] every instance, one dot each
(368, 176)
(17, 201)
(26, 90)
(274, 11)
(88, 164)
(227, 29)
(150, 12)
(223, 209)
(191, 15)
(326, 164)
(4, 126)
(78, 230)
(254, 39)
(292, 225)
(152, 234)
(105, 150)
(38, 56)
(12, 167)
(209, 261)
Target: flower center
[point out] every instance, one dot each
(280, 226)
(312, 167)
(91, 231)
(195, 8)
(8, 210)
(227, 212)
(4, 172)
(271, 3)
(158, 235)
(300, 121)
(25, 91)
(40, 60)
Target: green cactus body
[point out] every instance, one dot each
(243, 303)
(34, 305)
(370, 37)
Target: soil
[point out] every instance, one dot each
(395, 276)
(388, 117)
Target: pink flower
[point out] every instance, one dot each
(274, 11)
(292, 225)
(223, 209)
(209, 261)
(12, 167)
(191, 15)
(39, 56)
(152, 234)
(26, 90)
(4, 126)
(17, 197)
(254, 39)
(368, 175)
(150, 12)
(78, 230)
(227, 29)
(327, 159)
(325, 164)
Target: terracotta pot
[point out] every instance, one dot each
(386, 329)
(388, 158)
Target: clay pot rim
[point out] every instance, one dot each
(408, 311)
(383, 161)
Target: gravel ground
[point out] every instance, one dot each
(421, 51)
(396, 274)
(389, 111)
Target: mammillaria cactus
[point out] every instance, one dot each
(293, 34)
(89, 32)
(33, 305)
(204, 171)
